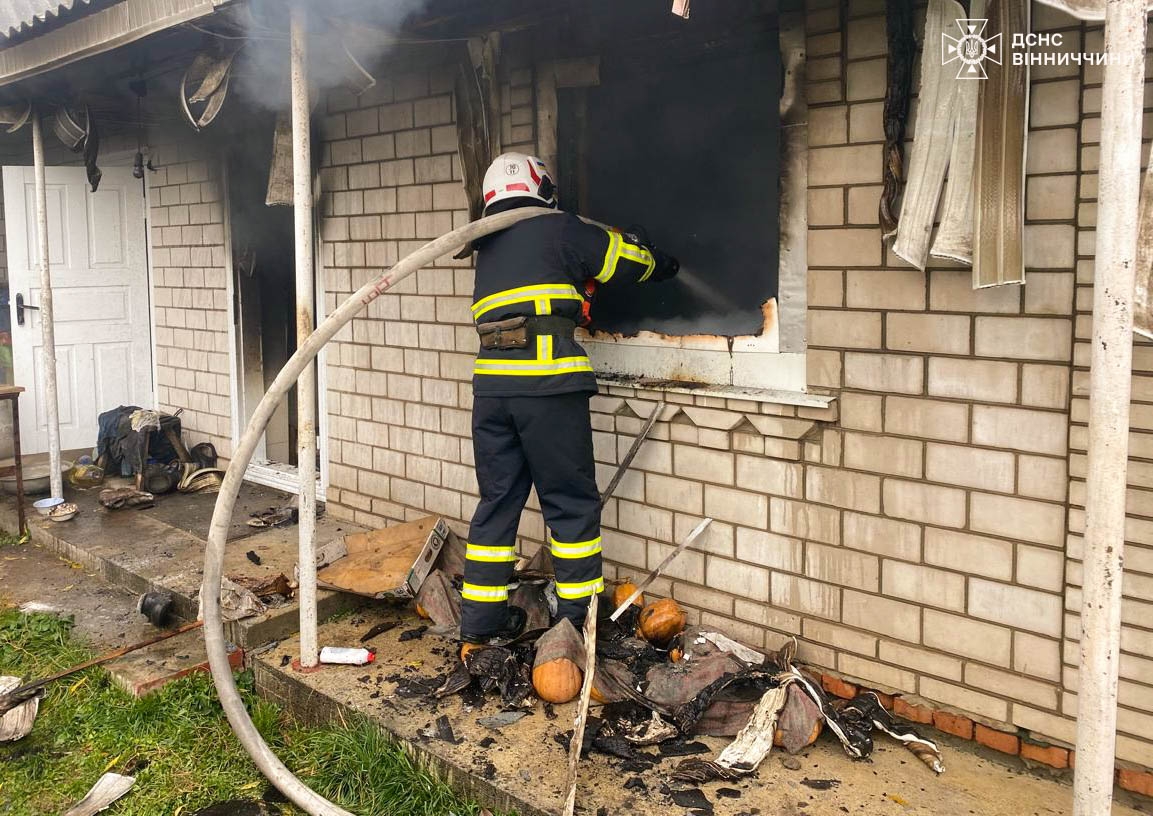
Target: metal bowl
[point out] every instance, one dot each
(46, 506)
(63, 512)
(36, 479)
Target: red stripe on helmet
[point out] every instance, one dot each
(489, 195)
(532, 171)
(519, 185)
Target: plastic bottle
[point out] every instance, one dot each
(346, 656)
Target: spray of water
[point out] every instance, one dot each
(700, 288)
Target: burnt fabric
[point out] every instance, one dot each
(110, 436)
(539, 267)
(520, 442)
(121, 448)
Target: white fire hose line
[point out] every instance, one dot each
(270, 765)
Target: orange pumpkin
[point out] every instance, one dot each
(623, 591)
(777, 735)
(557, 681)
(661, 621)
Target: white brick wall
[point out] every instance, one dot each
(916, 538)
(189, 296)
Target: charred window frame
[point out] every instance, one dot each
(771, 354)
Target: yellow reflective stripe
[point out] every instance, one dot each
(641, 255)
(544, 347)
(578, 549)
(635, 252)
(571, 592)
(648, 259)
(525, 293)
(532, 368)
(612, 255)
(478, 552)
(522, 294)
(650, 267)
(484, 594)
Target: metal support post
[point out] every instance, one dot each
(1111, 371)
(305, 309)
(47, 324)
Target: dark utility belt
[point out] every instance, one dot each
(519, 332)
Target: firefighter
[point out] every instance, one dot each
(531, 388)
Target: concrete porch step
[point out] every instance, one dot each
(147, 670)
(141, 551)
(34, 579)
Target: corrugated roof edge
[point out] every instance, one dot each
(22, 16)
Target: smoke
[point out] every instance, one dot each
(347, 42)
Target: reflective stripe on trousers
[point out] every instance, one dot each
(520, 442)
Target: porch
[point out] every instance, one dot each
(519, 767)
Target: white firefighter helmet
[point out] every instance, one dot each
(515, 175)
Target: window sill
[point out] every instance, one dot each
(280, 477)
(616, 383)
(755, 362)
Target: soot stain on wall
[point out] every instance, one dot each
(682, 140)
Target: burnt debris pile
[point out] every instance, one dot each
(658, 685)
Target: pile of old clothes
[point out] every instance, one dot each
(146, 443)
(700, 683)
(130, 437)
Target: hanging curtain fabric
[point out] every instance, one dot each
(932, 145)
(279, 192)
(954, 239)
(1002, 115)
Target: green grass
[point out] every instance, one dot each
(179, 746)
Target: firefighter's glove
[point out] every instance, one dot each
(667, 266)
(636, 234)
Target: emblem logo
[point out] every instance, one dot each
(971, 49)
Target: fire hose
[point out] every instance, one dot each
(269, 764)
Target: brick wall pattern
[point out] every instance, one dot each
(921, 536)
(190, 297)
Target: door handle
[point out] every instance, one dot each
(20, 307)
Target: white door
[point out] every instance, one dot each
(98, 261)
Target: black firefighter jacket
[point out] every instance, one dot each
(539, 267)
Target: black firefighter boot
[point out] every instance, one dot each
(513, 628)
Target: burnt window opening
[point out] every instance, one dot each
(681, 138)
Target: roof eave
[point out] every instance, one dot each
(98, 32)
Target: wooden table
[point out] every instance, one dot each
(12, 394)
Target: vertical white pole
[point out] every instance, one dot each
(1109, 387)
(47, 325)
(305, 308)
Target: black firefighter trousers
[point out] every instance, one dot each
(520, 442)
